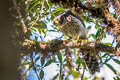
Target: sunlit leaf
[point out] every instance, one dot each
(78, 60)
(83, 63)
(33, 29)
(49, 3)
(108, 44)
(57, 10)
(46, 4)
(103, 36)
(93, 19)
(75, 73)
(109, 66)
(62, 77)
(93, 35)
(36, 2)
(98, 26)
(89, 35)
(85, 78)
(84, 17)
(27, 63)
(60, 57)
(95, 78)
(98, 33)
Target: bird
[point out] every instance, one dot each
(72, 25)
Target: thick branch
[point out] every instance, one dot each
(46, 47)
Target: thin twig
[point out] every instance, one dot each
(34, 68)
(83, 74)
(60, 71)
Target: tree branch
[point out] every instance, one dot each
(45, 47)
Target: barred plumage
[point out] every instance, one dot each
(72, 25)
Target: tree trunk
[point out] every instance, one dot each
(8, 52)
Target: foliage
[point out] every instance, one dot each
(38, 16)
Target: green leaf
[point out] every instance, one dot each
(60, 57)
(94, 36)
(89, 35)
(95, 78)
(50, 3)
(44, 31)
(103, 36)
(52, 31)
(46, 4)
(116, 78)
(33, 29)
(84, 17)
(78, 60)
(98, 26)
(108, 44)
(93, 19)
(57, 10)
(36, 38)
(83, 63)
(109, 66)
(49, 62)
(107, 59)
(98, 33)
(36, 2)
(89, 27)
(104, 55)
(117, 61)
(42, 25)
(62, 77)
(26, 63)
(31, 66)
(37, 58)
(42, 60)
(41, 74)
(75, 73)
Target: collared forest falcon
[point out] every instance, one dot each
(73, 26)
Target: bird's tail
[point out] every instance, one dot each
(91, 62)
